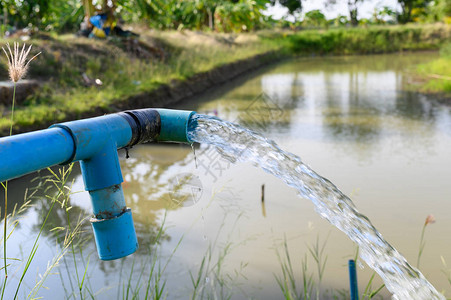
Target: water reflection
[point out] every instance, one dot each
(354, 97)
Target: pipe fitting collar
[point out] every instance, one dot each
(115, 237)
(145, 125)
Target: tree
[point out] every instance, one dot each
(352, 8)
(407, 6)
(315, 18)
(340, 20)
(42, 14)
(293, 6)
(218, 15)
(241, 15)
(383, 15)
(439, 10)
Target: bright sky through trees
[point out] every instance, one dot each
(365, 9)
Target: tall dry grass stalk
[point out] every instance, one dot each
(17, 61)
(17, 69)
(429, 220)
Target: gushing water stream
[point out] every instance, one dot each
(239, 144)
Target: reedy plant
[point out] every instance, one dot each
(210, 281)
(429, 220)
(317, 252)
(58, 190)
(369, 292)
(59, 180)
(287, 282)
(310, 289)
(72, 233)
(15, 217)
(17, 69)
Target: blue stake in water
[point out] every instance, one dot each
(354, 289)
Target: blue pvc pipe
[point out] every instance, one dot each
(29, 152)
(91, 135)
(354, 289)
(94, 142)
(111, 239)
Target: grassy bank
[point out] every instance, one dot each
(436, 75)
(68, 66)
(377, 39)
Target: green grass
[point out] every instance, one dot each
(64, 60)
(437, 74)
(377, 39)
(301, 283)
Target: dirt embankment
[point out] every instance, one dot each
(179, 90)
(65, 64)
(168, 95)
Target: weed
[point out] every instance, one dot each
(429, 220)
(436, 74)
(17, 68)
(287, 282)
(211, 281)
(309, 288)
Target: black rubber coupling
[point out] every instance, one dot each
(145, 124)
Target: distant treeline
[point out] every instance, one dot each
(377, 39)
(214, 15)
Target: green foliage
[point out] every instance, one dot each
(223, 16)
(368, 40)
(411, 9)
(352, 8)
(439, 10)
(437, 73)
(315, 18)
(43, 14)
(241, 16)
(383, 15)
(445, 50)
(339, 21)
(292, 5)
(437, 76)
(303, 286)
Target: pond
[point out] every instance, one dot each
(352, 119)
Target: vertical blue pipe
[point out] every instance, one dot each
(354, 289)
(97, 141)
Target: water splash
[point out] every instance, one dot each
(239, 144)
